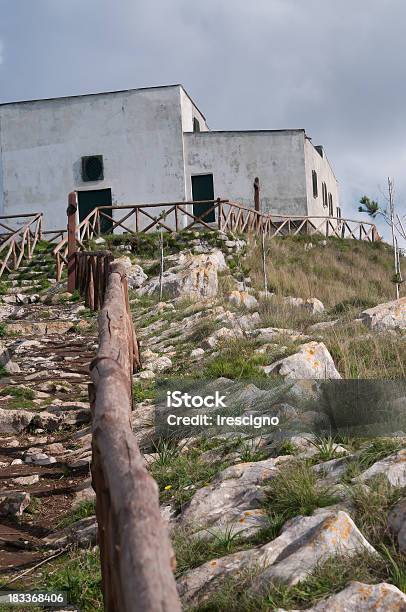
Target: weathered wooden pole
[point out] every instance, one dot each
(256, 194)
(264, 264)
(72, 247)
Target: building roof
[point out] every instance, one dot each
(102, 93)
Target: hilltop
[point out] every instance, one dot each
(283, 517)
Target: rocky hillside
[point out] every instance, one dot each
(308, 514)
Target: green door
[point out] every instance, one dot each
(89, 200)
(203, 189)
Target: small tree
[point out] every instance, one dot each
(395, 222)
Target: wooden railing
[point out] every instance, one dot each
(229, 217)
(18, 243)
(137, 560)
(92, 270)
(54, 235)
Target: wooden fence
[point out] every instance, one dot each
(18, 243)
(228, 217)
(137, 559)
(91, 272)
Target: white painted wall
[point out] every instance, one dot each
(138, 132)
(150, 152)
(236, 158)
(189, 111)
(314, 161)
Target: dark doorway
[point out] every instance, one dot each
(89, 200)
(203, 189)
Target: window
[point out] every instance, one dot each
(196, 125)
(338, 212)
(324, 194)
(330, 205)
(315, 185)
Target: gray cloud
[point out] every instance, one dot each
(336, 69)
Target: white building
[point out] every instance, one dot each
(150, 145)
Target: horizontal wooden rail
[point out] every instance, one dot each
(229, 217)
(137, 559)
(18, 243)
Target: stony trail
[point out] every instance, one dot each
(44, 415)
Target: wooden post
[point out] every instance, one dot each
(137, 558)
(219, 213)
(256, 194)
(161, 266)
(264, 265)
(72, 248)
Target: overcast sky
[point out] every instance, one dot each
(336, 69)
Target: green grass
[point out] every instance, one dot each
(344, 274)
(179, 474)
(379, 449)
(326, 448)
(372, 505)
(3, 288)
(236, 360)
(295, 491)
(328, 578)
(79, 574)
(34, 506)
(358, 353)
(83, 510)
(18, 392)
(203, 328)
(143, 390)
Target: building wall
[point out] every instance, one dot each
(139, 134)
(325, 174)
(189, 111)
(236, 158)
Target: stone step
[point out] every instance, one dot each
(29, 282)
(38, 328)
(20, 289)
(27, 274)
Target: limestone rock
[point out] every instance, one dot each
(38, 328)
(47, 421)
(35, 456)
(14, 421)
(83, 533)
(26, 480)
(303, 543)
(160, 364)
(136, 276)
(270, 334)
(13, 503)
(224, 333)
(390, 315)
(197, 353)
(358, 597)
(84, 495)
(322, 326)
(234, 491)
(393, 468)
(248, 321)
(397, 523)
(5, 360)
(243, 298)
(193, 276)
(311, 361)
(313, 305)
